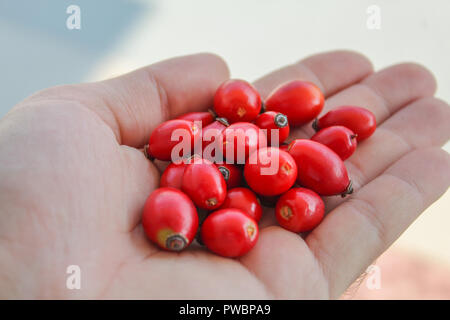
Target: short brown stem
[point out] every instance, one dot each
(147, 153)
(348, 190)
(213, 113)
(223, 121)
(315, 124)
(263, 107)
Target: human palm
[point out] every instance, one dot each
(73, 182)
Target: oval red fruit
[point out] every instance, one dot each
(240, 140)
(205, 117)
(237, 101)
(229, 232)
(270, 171)
(209, 135)
(320, 168)
(172, 175)
(273, 122)
(299, 210)
(245, 200)
(339, 139)
(361, 121)
(160, 145)
(204, 184)
(300, 101)
(170, 219)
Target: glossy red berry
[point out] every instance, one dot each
(237, 101)
(209, 135)
(273, 122)
(204, 184)
(170, 219)
(361, 121)
(240, 140)
(245, 200)
(231, 173)
(339, 139)
(300, 101)
(173, 175)
(229, 232)
(320, 168)
(205, 117)
(270, 171)
(160, 145)
(299, 210)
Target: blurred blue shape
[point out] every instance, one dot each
(39, 51)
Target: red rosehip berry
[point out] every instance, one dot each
(300, 101)
(173, 175)
(339, 139)
(273, 122)
(237, 101)
(299, 210)
(245, 200)
(240, 140)
(170, 219)
(321, 169)
(231, 173)
(210, 133)
(270, 171)
(204, 184)
(160, 145)
(229, 232)
(205, 117)
(361, 121)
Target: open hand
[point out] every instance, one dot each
(73, 182)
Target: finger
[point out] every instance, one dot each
(139, 179)
(423, 123)
(360, 229)
(383, 93)
(330, 71)
(133, 104)
(142, 99)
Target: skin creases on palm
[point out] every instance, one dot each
(73, 182)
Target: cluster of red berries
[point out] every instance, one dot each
(235, 157)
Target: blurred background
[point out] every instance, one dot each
(39, 50)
